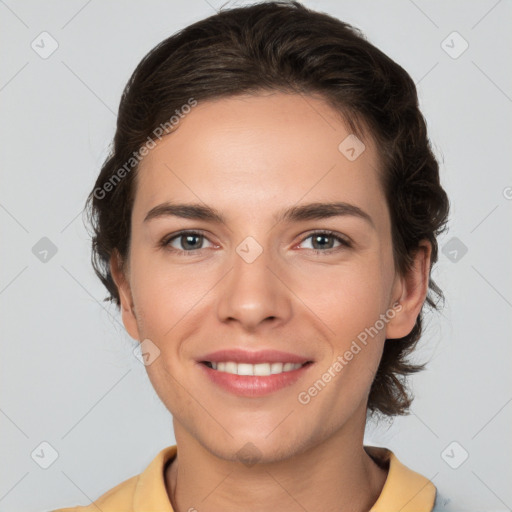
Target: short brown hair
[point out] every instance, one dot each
(287, 47)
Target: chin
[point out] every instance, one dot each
(257, 447)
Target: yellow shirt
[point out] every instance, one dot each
(404, 489)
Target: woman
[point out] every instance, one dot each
(267, 223)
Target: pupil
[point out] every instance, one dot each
(188, 237)
(317, 239)
(320, 237)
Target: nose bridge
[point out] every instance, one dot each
(252, 293)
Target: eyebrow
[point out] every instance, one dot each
(311, 211)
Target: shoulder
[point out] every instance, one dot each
(118, 498)
(136, 493)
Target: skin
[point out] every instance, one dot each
(249, 157)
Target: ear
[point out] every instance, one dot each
(410, 291)
(123, 287)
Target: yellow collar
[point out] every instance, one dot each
(404, 489)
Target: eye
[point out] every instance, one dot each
(322, 241)
(189, 241)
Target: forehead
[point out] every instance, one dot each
(251, 151)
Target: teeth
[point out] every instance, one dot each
(261, 369)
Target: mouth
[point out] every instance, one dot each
(253, 380)
(259, 369)
(249, 373)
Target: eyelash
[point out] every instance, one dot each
(344, 243)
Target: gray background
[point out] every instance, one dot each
(68, 374)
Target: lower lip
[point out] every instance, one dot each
(252, 385)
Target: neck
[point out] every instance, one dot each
(336, 474)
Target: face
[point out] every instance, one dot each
(257, 280)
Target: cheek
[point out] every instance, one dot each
(351, 306)
(163, 293)
(351, 298)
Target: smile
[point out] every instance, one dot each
(253, 380)
(260, 369)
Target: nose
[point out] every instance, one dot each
(253, 294)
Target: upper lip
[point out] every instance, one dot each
(253, 357)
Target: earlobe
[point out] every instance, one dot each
(414, 289)
(125, 295)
